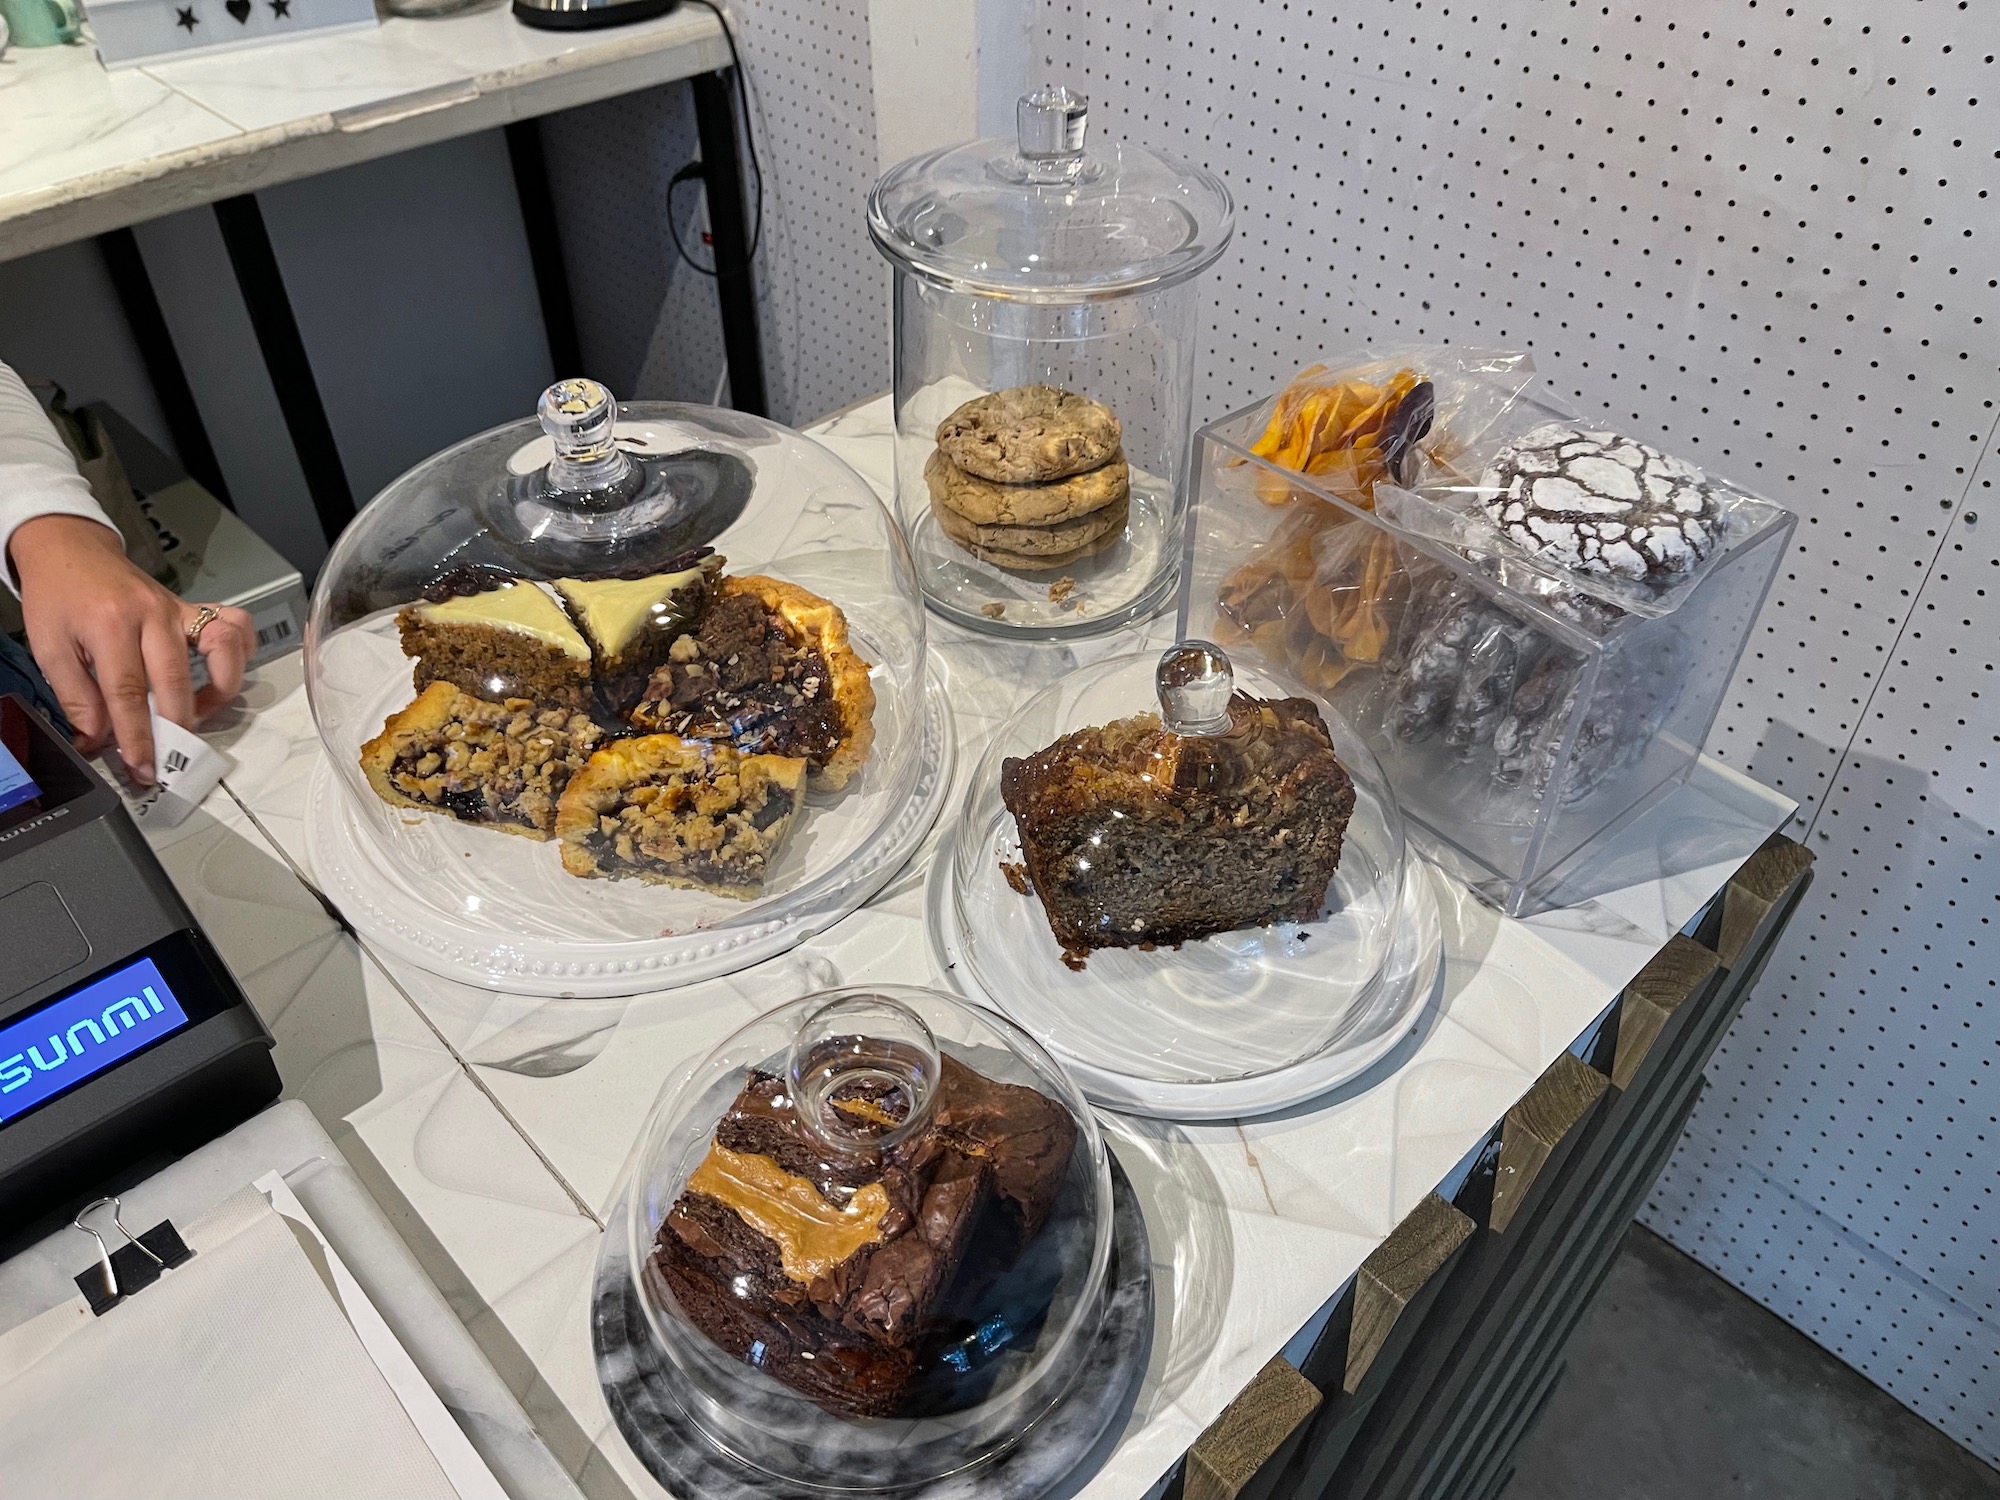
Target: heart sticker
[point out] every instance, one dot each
(239, 9)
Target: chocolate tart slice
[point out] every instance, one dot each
(502, 765)
(770, 671)
(676, 812)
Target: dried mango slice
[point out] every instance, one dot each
(1330, 429)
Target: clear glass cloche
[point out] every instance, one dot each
(1045, 314)
(870, 1237)
(614, 698)
(1188, 877)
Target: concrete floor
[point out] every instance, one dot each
(1679, 1387)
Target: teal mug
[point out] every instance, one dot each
(42, 23)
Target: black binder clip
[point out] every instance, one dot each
(134, 1265)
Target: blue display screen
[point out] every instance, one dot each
(79, 1036)
(16, 786)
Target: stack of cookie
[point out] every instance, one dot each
(1030, 478)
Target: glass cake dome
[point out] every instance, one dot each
(680, 648)
(867, 1243)
(1189, 879)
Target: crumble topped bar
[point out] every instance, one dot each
(676, 812)
(504, 765)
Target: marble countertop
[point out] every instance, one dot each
(84, 149)
(494, 1128)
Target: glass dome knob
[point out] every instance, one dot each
(580, 417)
(863, 1073)
(1050, 123)
(1194, 680)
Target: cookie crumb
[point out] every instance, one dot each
(993, 611)
(1017, 877)
(1061, 589)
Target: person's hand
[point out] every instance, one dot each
(105, 635)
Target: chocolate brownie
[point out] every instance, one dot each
(830, 1269)
(1133, 836)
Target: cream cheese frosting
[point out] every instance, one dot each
(520, 607)
(614, 610)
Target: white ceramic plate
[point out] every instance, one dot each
(532, 929)
(1376, 1022)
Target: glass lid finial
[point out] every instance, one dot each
(1051, 122)
(580, 416)
(1195, 682)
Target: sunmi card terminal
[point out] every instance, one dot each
(123, 1037)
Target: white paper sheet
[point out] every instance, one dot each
(243, 1373)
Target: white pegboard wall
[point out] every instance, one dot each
(822, 291)
(1762, 235)
(1857, 1098)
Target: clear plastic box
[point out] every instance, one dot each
(1520, 711)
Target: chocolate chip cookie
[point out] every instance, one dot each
(1017, 562)
(1029, 434)
(984, 503)
(1034, 541)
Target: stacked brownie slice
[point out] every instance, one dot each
(830, 1269)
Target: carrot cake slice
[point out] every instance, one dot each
(495, 636)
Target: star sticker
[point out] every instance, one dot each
(281, 8)
(184, 18)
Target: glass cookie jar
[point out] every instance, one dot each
(529, 634)
(1046, 304)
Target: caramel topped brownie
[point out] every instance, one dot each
(1134, 836)
(673, 812)
(501, 764)
(496, 637)
(828, 1268)
(769, 670)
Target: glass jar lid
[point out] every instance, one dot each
(1043, 219)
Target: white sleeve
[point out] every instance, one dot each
(37, 475)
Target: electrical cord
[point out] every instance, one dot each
(693, 170)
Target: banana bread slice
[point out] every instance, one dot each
(1133, 836)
